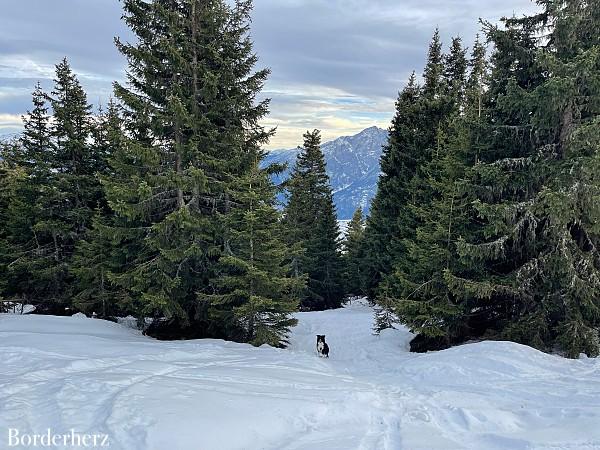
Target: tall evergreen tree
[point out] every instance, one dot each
(36, 150)
(454, 75)
(438, 203)
(422, 299)
(54, 201)
(254, 293)
(31, 159)
(65, 205)
(416, 138)
(477, 79)
(526, 267)
(310, 219)
(434, 69)
(541, 258)
(11, 182)
(390, 221)
(27, 165)
(354, 255)
(434, 108)
(99, 252)
(192, 136)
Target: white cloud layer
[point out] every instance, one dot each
(336, 65)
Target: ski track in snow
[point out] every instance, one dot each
(98, 377)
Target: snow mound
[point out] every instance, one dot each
(18, 308)
(95, 376)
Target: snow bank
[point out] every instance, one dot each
(17, 308)
(99, 377)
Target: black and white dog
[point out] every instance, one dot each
(322, 347)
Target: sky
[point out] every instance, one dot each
(336, 65)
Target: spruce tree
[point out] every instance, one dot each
(434, 68)
(65, 205)
(477, 80)
(31, 160)
(54, 201)
(26, 164)
(353, 255)
(390, 221)
(191, 138)
(542, 233)
(505, 171)
(100, 251)
(525, 268)
(427, 111)
(76, 162)
(310, 219)
(36, 150)
(421, 298)
(11, 182)
(253, 293)
(454, 75)
(439, 204)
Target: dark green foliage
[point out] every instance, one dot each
(173, 167)
(434, 69)
(66, 198)
(36, 151)
(96, 257)
(439, 202)
(422, 290)
(476, 81)
(505, 201)
(11, 177)
(454, 76)
(101, 251)
(353, 255)
(53, 204)
(26, 163)
(390, 222)
(540, 248)
(310, 220)
(416, 136)
(155, 206)
(181, 173)
(253, 294)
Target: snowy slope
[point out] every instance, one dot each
(99, 377)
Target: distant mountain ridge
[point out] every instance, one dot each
(352, 166)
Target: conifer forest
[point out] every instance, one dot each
(172, 277)
(485, 224)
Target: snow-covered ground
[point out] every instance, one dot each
(98, 377)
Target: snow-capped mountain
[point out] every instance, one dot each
(352, 166)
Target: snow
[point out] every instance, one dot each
(93, 376)
(18, 308)
(343, 226)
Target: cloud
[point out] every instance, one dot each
(336, 64)
(10, 124)
(297, 108)
(10, 120)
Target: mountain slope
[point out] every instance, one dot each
(352, 166)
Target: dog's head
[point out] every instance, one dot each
(320, 338)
